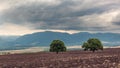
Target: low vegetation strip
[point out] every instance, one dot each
(108, 58)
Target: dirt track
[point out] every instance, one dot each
(108, 58)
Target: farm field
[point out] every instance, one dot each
(108, 58)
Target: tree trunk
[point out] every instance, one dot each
(56, 52)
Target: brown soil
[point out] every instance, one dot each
(108, 58)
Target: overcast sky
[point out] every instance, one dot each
(19, 17)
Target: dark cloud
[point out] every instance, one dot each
(68, 15)
(116, 20)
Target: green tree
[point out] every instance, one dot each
(92, 44)
(85, 46)
(57, 46)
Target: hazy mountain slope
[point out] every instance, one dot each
(5, 41)
(45, 38)
(41, 38)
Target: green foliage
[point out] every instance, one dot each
(92, 44)
(85, 45)
(57, 46)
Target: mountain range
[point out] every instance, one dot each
(45, 38)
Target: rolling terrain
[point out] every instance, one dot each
(43, 39)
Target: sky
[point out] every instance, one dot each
(19, 17)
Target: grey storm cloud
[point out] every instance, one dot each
(116, 20)
(66, 15)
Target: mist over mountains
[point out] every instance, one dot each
(45, 38)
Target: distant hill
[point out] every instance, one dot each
(6, 40)
(45, 38)
(42, 38)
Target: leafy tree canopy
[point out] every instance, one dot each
(92, 44)
(57, 46)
